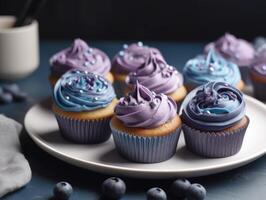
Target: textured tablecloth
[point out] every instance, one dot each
(15, 171)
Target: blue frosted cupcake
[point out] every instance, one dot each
(83, 105)
(212, 67)
(145, 126)
(214, 120)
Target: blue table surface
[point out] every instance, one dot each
(245, 183)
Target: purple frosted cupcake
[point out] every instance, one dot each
(145, 126)
(83, 105)
(214, 120)
(258, 74)
(82, 57)
(239, 51)
(129, 60)
(158, 76)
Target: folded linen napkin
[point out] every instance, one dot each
(15, 171)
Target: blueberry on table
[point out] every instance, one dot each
(62, 191)
(156, 194)
(11, 88)
(179, 188)
(196, 192)
(5, 98)
(113, 188)
(15, 91)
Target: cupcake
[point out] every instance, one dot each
(258, 78)
(214, 120)
(129, 60)
(211, 67)
(259, 42)
(145, 126)
(82, 57)
(239, 51)
(83, 105)
(260, 55)
(156, 75)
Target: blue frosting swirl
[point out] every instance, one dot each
(214, 106)
(204, 69)
(80, 90)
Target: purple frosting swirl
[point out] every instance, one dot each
(132, 57)
(82, 57)
(145, 109)
(157, 75)
(259, 63)
(237, 50)
(213, 107)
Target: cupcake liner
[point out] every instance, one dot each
(245, 74)
(84, 131)
(214, 144)
(259, 90)
(146, 149)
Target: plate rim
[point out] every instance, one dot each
(103, 168)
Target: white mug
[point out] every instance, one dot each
(19, 49)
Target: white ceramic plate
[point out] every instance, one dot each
(43, 129)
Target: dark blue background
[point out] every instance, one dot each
(147, 19)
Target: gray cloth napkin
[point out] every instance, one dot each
(15, 171)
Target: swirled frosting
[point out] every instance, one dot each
(132, 57)
(79, 91)
(214, 106)
(258, 42)
(80, 56)
(237, 50)
(259, 62)
(157, 75)
(145, 109)
(212, 67)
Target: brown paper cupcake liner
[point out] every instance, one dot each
(214, 144)
(84, 131)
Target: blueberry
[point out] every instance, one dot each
(62, 191)
(11, 88)
(179, 188)
(113, 188)
(156, 194)
(196, 192)
(14, 90)
(6, 98)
